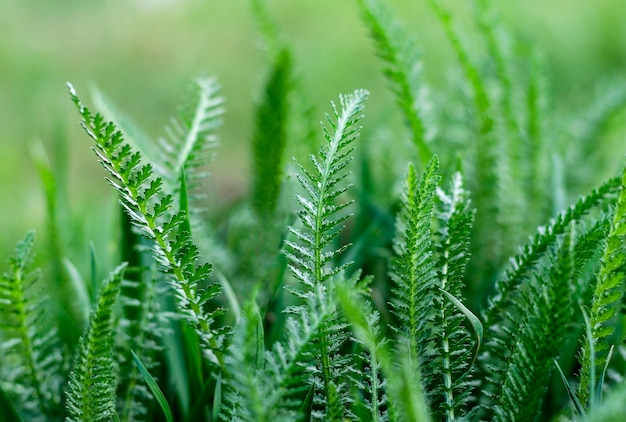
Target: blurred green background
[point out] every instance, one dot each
(144, 53)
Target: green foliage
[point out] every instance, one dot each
(607, 298)
(451, 315)
(270, 137)
(190, 138)
(92, 382)
(402, 68)
(429, 268)
(31, 358)
(149, 208)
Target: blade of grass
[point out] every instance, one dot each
(154, 388)
(592, 359)
(603, 375)
(217, 398)
(473, 319)
(231, 296)
(570, 391)
(9, 412)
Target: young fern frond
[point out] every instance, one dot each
(190, 139)
(139, 330)
(403, 69)
(92, 382)
(423, 271)
(29, 345)
(545, 312)
(414, 269)
(150, 209)
(311, 255)
(275, 389)
(532, 251)
(406, 400)
(272, 387)
(322, 186)
(504, 310)
(486, 162)
(531, 332)
(270, 136)
(454, 342)
(607, 295)
(245, 398)
(375, 402)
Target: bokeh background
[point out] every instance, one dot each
(144, 53)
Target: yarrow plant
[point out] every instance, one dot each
(468, 294)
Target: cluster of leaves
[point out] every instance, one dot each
(294, 319)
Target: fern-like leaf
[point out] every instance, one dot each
(29, 344)
(501, 318)
(311, 254)
(191, 138)
(150, 209)
(454, 341)
(607, 295)
(272, 386)
(414, 269)
(429, 268)
(140, 330)
(532, 251)
(402, 381)
(521, 349)
(402, 68)
(546, 310)
(270, 136)
(92, 382)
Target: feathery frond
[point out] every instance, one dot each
(485, 169)
(270, 136)
(403, 69)
(453, 341)
(414, 269)
(92, 382)
(428, 265)
(544, 314)
(607, 295)
(150, 209)
(513, 300)
(532, 251)
(31, 359)
(140, 329)
(191, 139)
(322, 186)
(402, 375)
(312, 253)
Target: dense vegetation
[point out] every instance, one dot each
(436, 275)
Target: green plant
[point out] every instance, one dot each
(288, 307)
